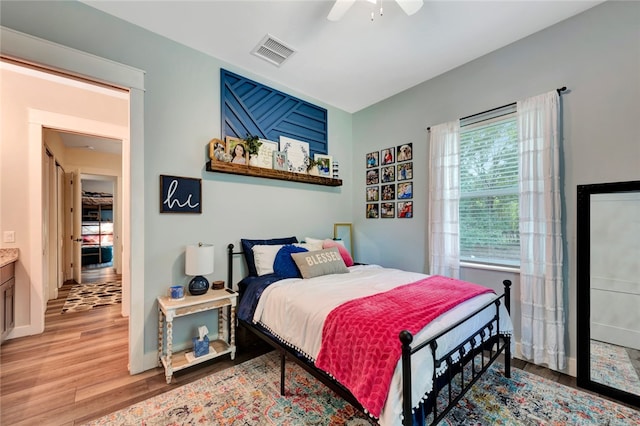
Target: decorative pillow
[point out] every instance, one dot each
(314, 242)
(320, 262)
(264, 256)
(310, 246)
(346, 256)
(247, 245)
(284, 266)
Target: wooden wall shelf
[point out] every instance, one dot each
(239, 169)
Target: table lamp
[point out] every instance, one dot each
(199, 262)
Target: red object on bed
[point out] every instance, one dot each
(360, 338)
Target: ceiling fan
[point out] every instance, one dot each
(341, 6)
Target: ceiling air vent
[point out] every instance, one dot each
(273, 50)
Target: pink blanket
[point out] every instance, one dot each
(360, 345)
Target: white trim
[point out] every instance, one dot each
(571, 370)
(490, 267)
(28, 48)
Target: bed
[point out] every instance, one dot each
(419, 374)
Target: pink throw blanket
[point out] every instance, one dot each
(360, 345)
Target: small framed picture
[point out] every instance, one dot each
(325, 164)
(405, 209)
(180, 194)
(388, 192)
(280, 161)
(372, 211)
(388, 156)
(373, 159)
(373, 176)
(388, 210)
(405, 171)
(217, 149)
(373, 193)
(405, 190)
(388, 174)
(265, 153)
(237, 148)
(404, 152)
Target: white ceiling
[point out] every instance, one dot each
(355, 62)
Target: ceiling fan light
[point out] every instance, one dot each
(410, 6)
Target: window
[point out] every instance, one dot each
(489, 218)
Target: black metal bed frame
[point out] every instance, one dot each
(490, 347)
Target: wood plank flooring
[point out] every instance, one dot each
(77, 369)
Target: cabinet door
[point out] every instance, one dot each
(3, 317)
(9, 305)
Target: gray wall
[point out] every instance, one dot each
(595, 54)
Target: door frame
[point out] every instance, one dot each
(30, 49)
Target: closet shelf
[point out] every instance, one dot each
(240, 169)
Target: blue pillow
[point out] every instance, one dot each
(283, 265)
(247, 246)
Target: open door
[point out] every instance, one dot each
(76, 237)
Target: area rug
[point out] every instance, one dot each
(83, 297)
(248, 394)
(611, 366)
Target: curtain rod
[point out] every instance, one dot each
(560, 90)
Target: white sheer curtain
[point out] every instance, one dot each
(541, 293)
(444, 198)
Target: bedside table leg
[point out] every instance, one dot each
(169, 367)
(232, 338)
(160, 337)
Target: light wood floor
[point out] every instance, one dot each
(76, 370)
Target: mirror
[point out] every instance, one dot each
(608, 284)
(342, 231)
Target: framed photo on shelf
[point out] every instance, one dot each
(265, 153)
(216, 149)
(405, 171)
(388, 156)
(373, 176)
(388, 174)
(388, 210)
(404, 152)
(297, 154)
(405, 190)
(373, 193)
(405, 209)
(237, 148)
(325, 165)
(388, 192)
(373, 159)
(280, 161)
(372, 211)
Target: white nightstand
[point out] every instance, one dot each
(223, 301)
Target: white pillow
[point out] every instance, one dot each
(264, 256)
(313, 243)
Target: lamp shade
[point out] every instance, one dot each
(199, 259)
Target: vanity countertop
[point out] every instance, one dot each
(8, 255)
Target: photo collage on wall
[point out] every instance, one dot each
(389, 191)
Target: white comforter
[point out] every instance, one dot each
(295, 310)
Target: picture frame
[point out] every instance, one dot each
(373, 159)
(280, 161)
(373, 193)
(325, 165)
(372, 211)
(405, 209)
(387, 210)
(404, 152)
(236, 156)
(217, 149)
(180, 194)
(405, 171)
(373, 176)
(265, 153)
(405, 190)
(297, 154)
(388, 174)
(388, 192)
(387, 156)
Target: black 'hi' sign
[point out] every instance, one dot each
(180, 194)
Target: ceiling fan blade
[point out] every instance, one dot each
(410, 6)
(339, 9)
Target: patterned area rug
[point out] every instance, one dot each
(611, 366)
(248, 394)
(83, 297)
